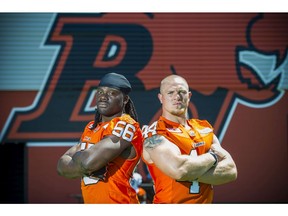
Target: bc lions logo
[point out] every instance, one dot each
(221, 55)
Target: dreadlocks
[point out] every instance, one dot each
(97, 119)
(128, 109)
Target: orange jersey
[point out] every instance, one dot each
(194, 142)
(112, 183)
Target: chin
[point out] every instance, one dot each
(178, 113)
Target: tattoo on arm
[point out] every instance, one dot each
(152, 142)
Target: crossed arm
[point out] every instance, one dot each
(76, 163)
(225, 171)
(168, 158)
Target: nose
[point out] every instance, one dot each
(178, 96)
(103, 97)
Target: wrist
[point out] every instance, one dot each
(215, 157)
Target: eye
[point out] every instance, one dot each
(183, 92)
(99, 92)
(112, 93)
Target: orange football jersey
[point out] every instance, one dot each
(193, 142)
(111, 184)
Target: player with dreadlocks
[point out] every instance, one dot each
(110, 146)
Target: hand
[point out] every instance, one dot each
(99, 174)
(219, 151)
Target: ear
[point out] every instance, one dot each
(189, 94)
(126, 99)
(160, 97)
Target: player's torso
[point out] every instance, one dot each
(113, 186)
(193, 141)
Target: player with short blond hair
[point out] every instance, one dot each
(183, 156)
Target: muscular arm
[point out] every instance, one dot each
(225, 171)
(99, 155)
(168, 158)
(75, 163)
(66, 166)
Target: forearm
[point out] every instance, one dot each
(194, 167)
(68, 168)
(224, 172)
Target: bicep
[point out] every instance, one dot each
(164, 154)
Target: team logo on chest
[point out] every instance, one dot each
(195, 145)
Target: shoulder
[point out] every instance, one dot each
(153, 141)
(200, 123)
(158, 127)
(88, 128)
(149, 130)
(124, 126)
(90, 125)
(125, 118)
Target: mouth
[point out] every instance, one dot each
(102, 105)
(177, 104)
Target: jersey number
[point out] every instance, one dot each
(124, 130)
(194, 187)
(146, 129)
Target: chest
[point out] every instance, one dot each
(191, 139)
(95, 135)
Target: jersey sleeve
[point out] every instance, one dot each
(157, 127)
(123, 127)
